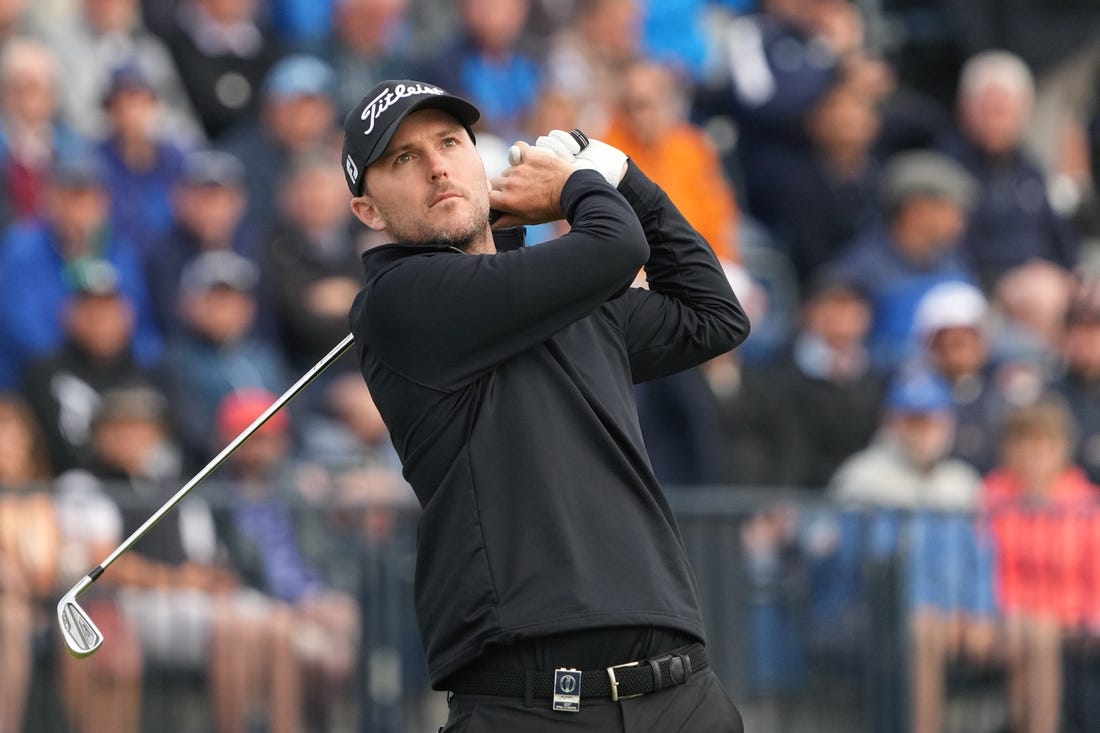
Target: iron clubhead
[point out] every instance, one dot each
(82, 637)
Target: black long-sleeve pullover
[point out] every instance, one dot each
(506, 382)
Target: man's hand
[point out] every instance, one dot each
(606, 160)
(583, 152)
(529, 192)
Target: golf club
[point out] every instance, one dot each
(82, 637)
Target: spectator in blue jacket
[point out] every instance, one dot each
(214, 352)
(208, 207)
(297, 114)
(142, 165)
(36, 260)
(927, 197)
(488, 65)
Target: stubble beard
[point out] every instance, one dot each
(463, 234)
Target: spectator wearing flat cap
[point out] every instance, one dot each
(1012, 221)
(37, 259)
(926, 198)
(65, 388)
(297, 114)
(208, 215)
(142, 166)
(215, 352)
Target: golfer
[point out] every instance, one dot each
(552, 587)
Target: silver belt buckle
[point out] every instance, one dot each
(615, 696)
(567, 690)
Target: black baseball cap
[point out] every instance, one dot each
(371, 124)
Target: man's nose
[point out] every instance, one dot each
(437, 165)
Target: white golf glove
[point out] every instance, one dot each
(560, 143)
(606, 160)
(609, 162)
(582, 152)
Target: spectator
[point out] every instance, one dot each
(32, 137)
(952, 326)
(37, 263)
(13, 19)
(586, 58)
(98, 696)
(304, 25)
(1012, 221)
(174, 578)
(370, 43)
(780, 62)
(1060, 43)
(142, 165)
(215, 353)
(312, 260)
(208, 216)
(106, 34)
(832, 198)
(831, 393)
(489, 66)
(926, 199)
(222, 56)
(749, 444)
(949, 593)
(346, 431)
(650, 126)
(284, 554)
(1079, 383)
(30, 545)
(297, 114)
(64, 389)
(712, 425)
(1041, 514)
(1029, 306)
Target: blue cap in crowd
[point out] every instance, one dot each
(919, 391)
(128, 77)
(300, 75)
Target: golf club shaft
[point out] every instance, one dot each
(286, 397)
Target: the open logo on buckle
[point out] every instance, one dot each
(567, 690)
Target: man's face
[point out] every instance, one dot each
(959, 350)
(429, 186)
(996, 118)
(924, 437)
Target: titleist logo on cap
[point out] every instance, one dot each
(386, 99)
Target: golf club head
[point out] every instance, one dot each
(82, 637)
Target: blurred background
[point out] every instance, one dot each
(888, 493)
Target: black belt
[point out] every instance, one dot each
(617, 682)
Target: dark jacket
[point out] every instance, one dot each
(506, 383)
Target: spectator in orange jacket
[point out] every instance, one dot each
(650, 125)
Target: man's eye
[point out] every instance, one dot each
(450, 142)
(402, 159)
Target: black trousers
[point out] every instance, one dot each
(700, 705)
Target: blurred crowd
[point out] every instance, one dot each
(902, 193)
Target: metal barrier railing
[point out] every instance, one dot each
(809, 610)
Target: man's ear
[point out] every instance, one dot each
(365, 211)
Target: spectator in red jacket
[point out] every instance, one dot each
(1045, 528)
